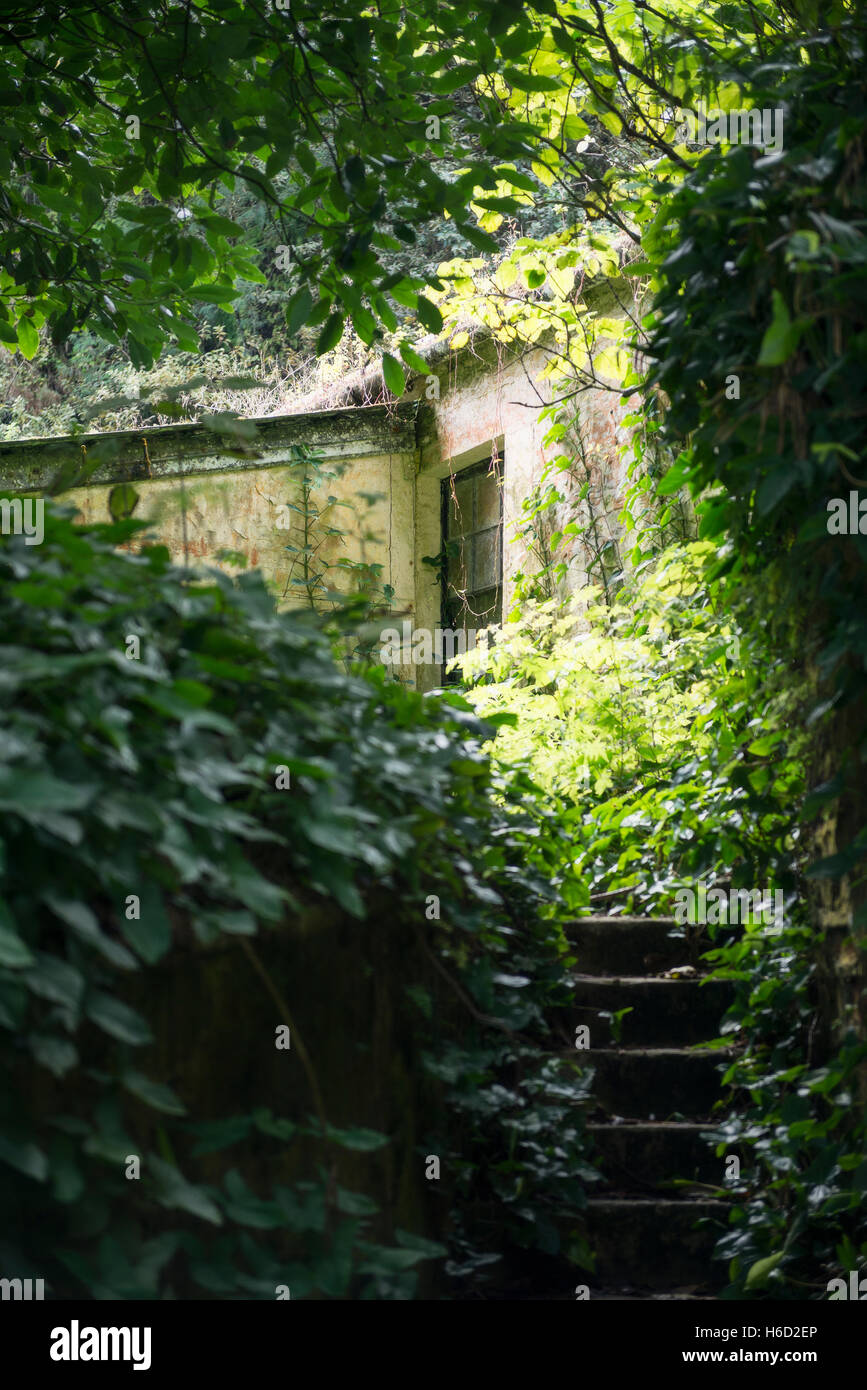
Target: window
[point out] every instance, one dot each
(472, 511)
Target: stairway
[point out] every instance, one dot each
(653, 1098)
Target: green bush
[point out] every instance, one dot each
(635, 716)
(145, 715)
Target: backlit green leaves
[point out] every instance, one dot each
(759, 1272)
(781, 335)
(346, 148)
(28, 338)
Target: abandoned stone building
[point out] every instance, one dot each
(430, 488)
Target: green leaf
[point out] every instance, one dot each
(758, 1273)
(117, 1018)
(429, 314)
(85, 924)
(28, 338)
(782, 334)
(298, 309)
(56, 980)
(355, 1203)
(14, 954)
(214, 222)
(364, 324)
(25, 1157)
(531, 82)
(427, 1249)
(482, 241)
(503, 719)
(215, 294)
(153, 1093)
(176, 1193)
(220, 1134)
(363, 1140)
(122, 501)
(381, 1259)
(393, 374)
(57, 1055)
(151, 935)
(413, 359)
(28, 791)
(676, 477)
(774, 488)
(331, 334)
(237, 922)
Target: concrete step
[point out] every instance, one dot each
(631, 945)
(653, 1242)
(652, 1154)
(656, 1082)
(663, 1012)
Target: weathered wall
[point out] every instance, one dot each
(207, 492)
(200, 516)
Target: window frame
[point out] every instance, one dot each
(492, 466)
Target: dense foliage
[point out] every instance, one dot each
(157, 779)
(637, 716)
(673, 748)
(752, 276)
(759, 271)
(126, 128)
(705, 721)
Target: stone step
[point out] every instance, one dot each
(630, 945)
(652, 1154)
(653, 1242)
(663, 1012)
(655, 1082)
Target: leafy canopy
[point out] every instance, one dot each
(126, 127)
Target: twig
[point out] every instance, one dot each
(461, 992)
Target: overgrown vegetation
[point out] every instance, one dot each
(775, 293)
(673, 748)
(702, 721)
(755, 267)
(160, 779)
(638, 718)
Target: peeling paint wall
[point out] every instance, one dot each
(207, 492)
(200, 517)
